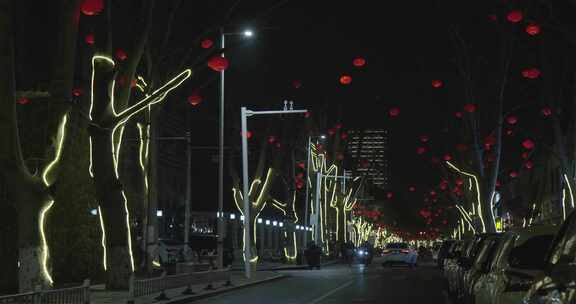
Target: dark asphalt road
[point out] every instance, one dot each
(340, 284)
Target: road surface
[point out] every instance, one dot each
(341, 284)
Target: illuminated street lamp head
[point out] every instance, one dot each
(248, 33)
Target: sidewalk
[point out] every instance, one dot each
(100, 296)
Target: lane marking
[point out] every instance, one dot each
(331, 292)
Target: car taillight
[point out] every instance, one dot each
(405, 251)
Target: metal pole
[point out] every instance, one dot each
(220, 218)
(245, 185)
(307, 207)
(188, 193)
(317, 213)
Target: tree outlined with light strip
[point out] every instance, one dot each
(328, 186)
(106, 129)
(30, 191)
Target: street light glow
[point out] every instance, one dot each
(248, 33)
(323, 136)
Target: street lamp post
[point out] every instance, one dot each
(244, 114)
(220, 218)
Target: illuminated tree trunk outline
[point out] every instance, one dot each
(327, 193)
(289, 232)
(106, 128)
(31, 195)
(257, 194)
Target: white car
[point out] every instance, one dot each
(399, 253)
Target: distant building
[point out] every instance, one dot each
(369, 151)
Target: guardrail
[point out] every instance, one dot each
(72, 295)
(144, 287)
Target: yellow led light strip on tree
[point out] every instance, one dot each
(61, 136)
(45, 249)
(103, 241)
(569, 191)
(291, 257)
(477, 193)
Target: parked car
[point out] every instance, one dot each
(518, 259)
(485, 255)
(451, 263)
(467, 261)
(557, 283)
(399, 253)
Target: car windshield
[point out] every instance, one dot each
(396, 246)
(530, 254)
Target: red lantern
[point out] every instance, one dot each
(307, 114)
(194, 99)
(389, 195)
(459, 182)
(338, 126)
(458, 115)
(447, 157)
(331, 131)
(533, 29)
(525, 155)
(432, 193)
(344, 136)
(529, 165)
(470, 107)
(424, 138)
(301, 165)
(445, 222)
(278, 145)
(531, 73)
(412, 189)
(206, 43)
(271, 139)
(546, 111)
(420, 150)
(509, 132)
(77, 92)
(437, 83)
(443, 186)
(90, 39)
(512, 120)
(23, 101)
(218, 63)
(120, 54)
(515, 16)
(489, 141)
(248, 134)
(92, 7)
(513, 174)
(345, 79)
(359, 62)
(528, 144)
(393, 112)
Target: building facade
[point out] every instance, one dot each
(369, 150)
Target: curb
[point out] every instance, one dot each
(193, 298)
